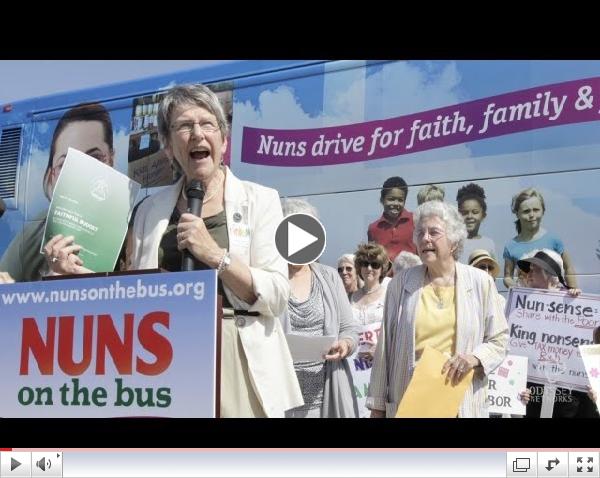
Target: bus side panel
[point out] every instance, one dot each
(297, 135)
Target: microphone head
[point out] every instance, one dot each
(195, 190)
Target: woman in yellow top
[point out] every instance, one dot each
(444, 304)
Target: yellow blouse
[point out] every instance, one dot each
(436, 320)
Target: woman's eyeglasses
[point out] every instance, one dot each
(485, 267)
(374, 265)
(187, 127)
(341, 270)
(433, 233)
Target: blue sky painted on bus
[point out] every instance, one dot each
(435, 84)
(348, 93)
(348, 194)
(353, 96)
(23, 79)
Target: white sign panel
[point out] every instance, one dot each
(591, 360)
(548, 327)
(361, 367)
(505, 384)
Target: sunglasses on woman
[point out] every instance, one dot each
(374, 265)
(345, 269)
(485, 267)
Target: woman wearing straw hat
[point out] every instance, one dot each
(545, 271)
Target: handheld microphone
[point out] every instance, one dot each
(195, 195)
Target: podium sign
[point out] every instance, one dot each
(119, 346)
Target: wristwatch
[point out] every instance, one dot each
(224, 263)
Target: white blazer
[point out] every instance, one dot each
(481, 330)
(253, 213)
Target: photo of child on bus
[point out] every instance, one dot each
(529, 207)
(394, 229)
(473, 208)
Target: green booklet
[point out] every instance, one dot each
(93, 202)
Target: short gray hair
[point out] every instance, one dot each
(297, 205)
(404, 260)
(197, 95)
(350, 259)
(456, 231)
(346, 258)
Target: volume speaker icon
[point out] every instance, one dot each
(43, 463)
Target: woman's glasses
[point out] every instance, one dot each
(341, 270)
(374, 265)
(433, 233)
(187, 127)
(485, 267)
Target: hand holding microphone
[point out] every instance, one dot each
(195, 196)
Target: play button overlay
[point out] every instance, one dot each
(300, 239)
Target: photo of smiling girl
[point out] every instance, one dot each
(473, 208)
(528, 205)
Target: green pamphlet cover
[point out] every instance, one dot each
(93, 202)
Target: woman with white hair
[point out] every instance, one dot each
(318, 306)
(441, 304)
(404, 260)
(347, 272)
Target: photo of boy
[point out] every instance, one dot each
(394, 229)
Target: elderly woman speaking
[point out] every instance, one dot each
(443, 304)
(234, 235)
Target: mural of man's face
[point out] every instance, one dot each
(86, 136)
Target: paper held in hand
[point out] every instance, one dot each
(92, 202)
(309, 348)
(428, 395)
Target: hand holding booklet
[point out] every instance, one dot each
(92, 202)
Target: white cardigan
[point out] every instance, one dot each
(253, 213)
(481, 330)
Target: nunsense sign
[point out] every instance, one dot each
(548, 327)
